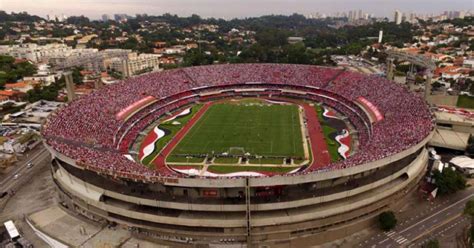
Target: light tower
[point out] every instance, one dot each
(429, 76)
(71, 95)
(97, 84)
(125, 69)
(415, 59)
(390, 68)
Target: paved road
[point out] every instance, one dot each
(450, 230)
(38, 157)
(440, 217)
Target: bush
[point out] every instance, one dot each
(387, 220)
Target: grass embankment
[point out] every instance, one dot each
(332, 144)
(465, 102)
(172, 129)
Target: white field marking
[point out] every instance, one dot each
(184, 112)
(129, 157)
(195, 172)
(343, 148)
(148, 149)
(325, 113)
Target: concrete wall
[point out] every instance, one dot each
(340, 202)
(95, 193)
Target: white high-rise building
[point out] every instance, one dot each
(459, 14)
(397, 18)
(380, 36)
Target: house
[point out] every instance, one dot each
(294, 40)
(11, 94)
(160, 44)
(191, 46)
(21, 86)
(45, 79)
(468, 63)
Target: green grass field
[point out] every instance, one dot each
(180, 167)
(230, 169)
(266, 161)
(226, 160)
(466, 102)
(259, 130)
(176, 159)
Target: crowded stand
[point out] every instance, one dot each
(88, 131)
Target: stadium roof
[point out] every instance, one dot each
(463, 162)
(450, 117)
(450, 139)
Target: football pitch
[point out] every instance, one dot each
(258, 129)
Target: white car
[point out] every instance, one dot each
(29, 165)
(16, 176)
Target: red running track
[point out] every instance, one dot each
(319, 148)
(160, 160)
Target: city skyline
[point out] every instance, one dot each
(228, 9)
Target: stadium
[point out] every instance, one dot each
(267, 154)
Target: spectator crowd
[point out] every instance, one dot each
(87, 131)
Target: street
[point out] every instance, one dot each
(439, 218)
(38, 157)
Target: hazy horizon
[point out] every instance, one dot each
(229, 8)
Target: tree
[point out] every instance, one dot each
(11, 71)
(436, 85)
(49, 93)
(195, 57)
(387, 220)
(297, 54)
(472, 236)
(272, 37)
(449, 181)
(77, 77)
(470, 146)
(78, 20)
(469, 209)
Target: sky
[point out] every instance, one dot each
(229, 8)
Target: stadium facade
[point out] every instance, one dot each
(311, 206)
